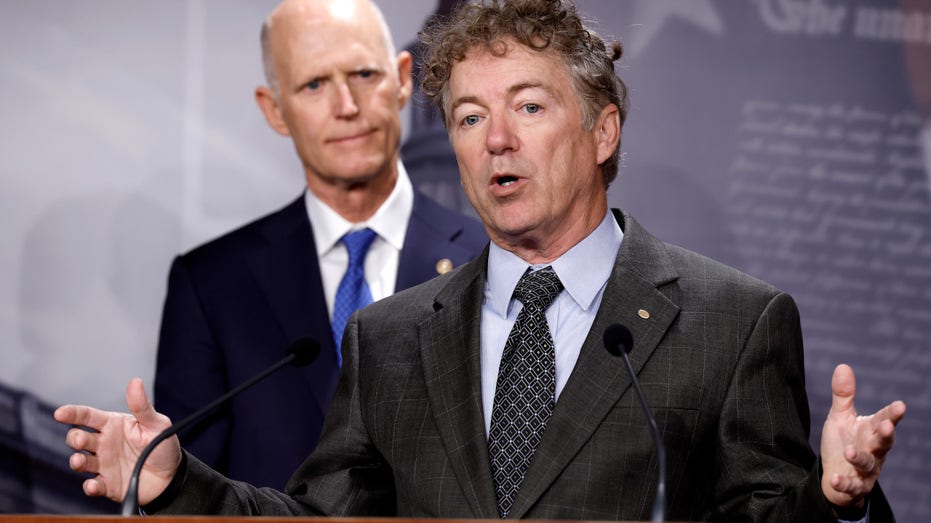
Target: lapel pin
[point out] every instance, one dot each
(643, 313)
(444, 265)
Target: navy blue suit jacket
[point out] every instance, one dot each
(232, 307)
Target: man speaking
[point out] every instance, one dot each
(487, 393)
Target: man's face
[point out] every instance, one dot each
(527, 165)
(339, 95)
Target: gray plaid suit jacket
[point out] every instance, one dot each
(719, 359)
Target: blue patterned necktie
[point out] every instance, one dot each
(353, 292)
(525, 393)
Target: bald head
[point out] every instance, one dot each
(336, 89)
(301, 15)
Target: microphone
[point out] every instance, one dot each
(620, 342)
(300, 353)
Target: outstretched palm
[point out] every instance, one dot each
(853, 448)
(110, 448)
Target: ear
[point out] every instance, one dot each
(607, 132)
(268, 103)
(405, 66)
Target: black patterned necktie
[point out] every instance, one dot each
(526, 388)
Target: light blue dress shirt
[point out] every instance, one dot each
(583, 270)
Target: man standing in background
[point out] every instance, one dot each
(336, 88)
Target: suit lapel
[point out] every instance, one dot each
(451, 356)
(286, 270)
(599, 379)
(429, 239)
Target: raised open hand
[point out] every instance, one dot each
(854, 448)
(113, 442)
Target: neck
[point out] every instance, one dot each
(357, 200)
(538, 247)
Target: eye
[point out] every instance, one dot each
(532, 108)
(365, 76)
(313, 85)
(470, 120)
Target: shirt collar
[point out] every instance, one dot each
(583, 270)
(389, 221)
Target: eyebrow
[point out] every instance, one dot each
(516, 88)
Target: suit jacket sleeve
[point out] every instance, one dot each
(344, 476)
(763, 429)
(188, 353)
(763, 434)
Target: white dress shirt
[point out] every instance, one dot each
(381, 263)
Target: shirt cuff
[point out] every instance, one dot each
(852, 515)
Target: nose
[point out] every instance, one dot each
(501, 136)
(345, 102)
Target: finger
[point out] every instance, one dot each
(80, 462)
(893, 412)
(843, 389)
(882, 436)
(81, 415)
(885, 437)
(864, 462)
(138, 403)
(850, 485)
(80, 439)
(94, 487)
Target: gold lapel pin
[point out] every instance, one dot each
(444, 265)
(643, 313)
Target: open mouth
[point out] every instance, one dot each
(506, 180)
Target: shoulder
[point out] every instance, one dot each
(449, 223)
(415, 304)
(408, 305)
(691, 280)
(723, 291)
(250, 237)
(701, 270)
